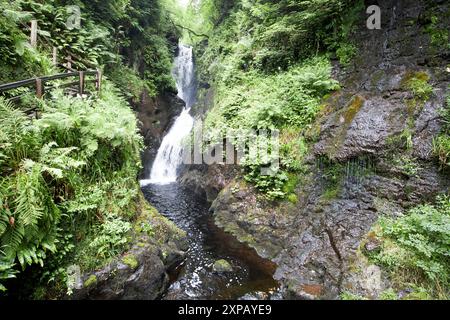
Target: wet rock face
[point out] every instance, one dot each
(373, 107)
(324, 237)
(156, 115)
(349, 133)
(207, 181)
(317, 242)
(376, 80)
(238, 211)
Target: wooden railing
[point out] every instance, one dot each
(39, 85)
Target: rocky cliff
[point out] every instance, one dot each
(375, 135)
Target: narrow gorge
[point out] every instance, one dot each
(226, 150)
(205, 274)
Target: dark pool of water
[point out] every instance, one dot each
(195, 279)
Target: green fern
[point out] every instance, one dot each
(6, 272)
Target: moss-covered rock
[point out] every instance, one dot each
(222, 265)
(140, 271)
(90, 281)
(131, 261)
(417, 82)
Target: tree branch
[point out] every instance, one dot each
(191, 31)
(186, 28)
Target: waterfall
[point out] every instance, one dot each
(170, 157)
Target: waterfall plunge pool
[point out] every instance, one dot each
(251, 277)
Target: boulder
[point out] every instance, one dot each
(222, 265)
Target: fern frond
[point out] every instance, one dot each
(6, 272)
(29, 208)
(17, 16)
(11, 240)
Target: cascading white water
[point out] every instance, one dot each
(169, 157)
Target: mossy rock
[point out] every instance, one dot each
(131, 261)
(91, 281)
(344, 119)
(352, 110)
(141, 244)
(292, 198)
(222, 265)
(417, 82)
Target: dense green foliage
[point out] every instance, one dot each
(288, 101)
(67, 178)
(270, 68)
(17, 58)
(416, 246)
(68, 185)
(441, 144)
(273, 35)
(140, 51)
(268, 63)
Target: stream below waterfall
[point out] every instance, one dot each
(251, 277)
(195, 279)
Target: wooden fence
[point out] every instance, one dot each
(39, 85)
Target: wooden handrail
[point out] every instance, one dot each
(39, 83)
(32, 81)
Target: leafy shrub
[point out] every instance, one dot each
(270, 185)
(111, 236)
(345, 53)
(140, 33)
(273, 36)
(158, 62)
(129, 82)
(17, 58)
(6, 272)
(337, 34)
(65, 175)
(416, 245)
(287, 100)
(439, 35)
(441, 147)
(417, 83)
(388, 294)
(441, 144)
(332, 175)
(407, 165)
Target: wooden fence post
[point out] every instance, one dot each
(81, 74)
(98, 81)
(55, 56)
(39, 88)
(33, 36)
(69, 62)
